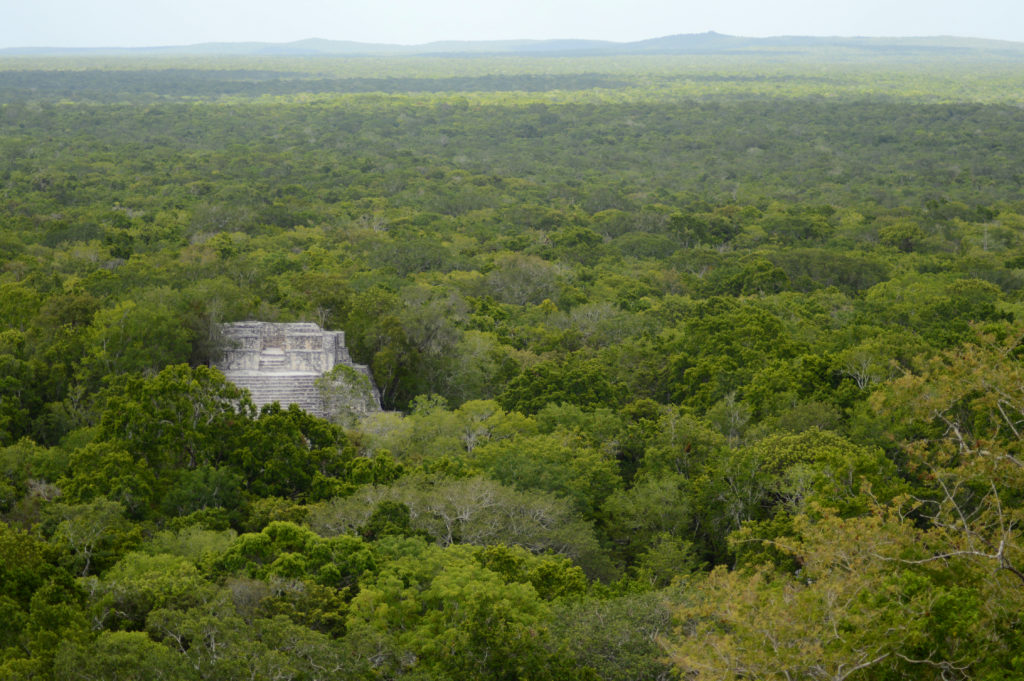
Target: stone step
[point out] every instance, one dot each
(284, 389)
(273, 359)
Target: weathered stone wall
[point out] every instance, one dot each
(267, 347)
(281, 362)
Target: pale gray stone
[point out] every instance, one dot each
(283, 362)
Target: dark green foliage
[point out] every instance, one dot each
(389, 518)
(578, 381)
(181, 418)
(289, 551)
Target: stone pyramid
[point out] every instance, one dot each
(282, 362)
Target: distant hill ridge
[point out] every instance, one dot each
(690, 43)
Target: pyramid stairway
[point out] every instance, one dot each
(285, 388)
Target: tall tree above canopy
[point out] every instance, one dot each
(134, 337)
(180, 418)
(963, 414)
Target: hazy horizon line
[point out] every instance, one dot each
(510, 40)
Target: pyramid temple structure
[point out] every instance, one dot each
(283, 362)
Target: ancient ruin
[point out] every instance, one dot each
(298, 364)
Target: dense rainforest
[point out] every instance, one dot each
(694, 367)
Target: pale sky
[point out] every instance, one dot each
(132, 23)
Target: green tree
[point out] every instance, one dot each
(289, 551)
(289, 453)
(578, 381)
(93, 535)
(441, 612)
(867, 603)
(180, 418)
(122, 655)
(102, 469)
(558, 463)
(140, 583)
(474, 511)
(634, 519)
(617, 637)
(134, 337)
